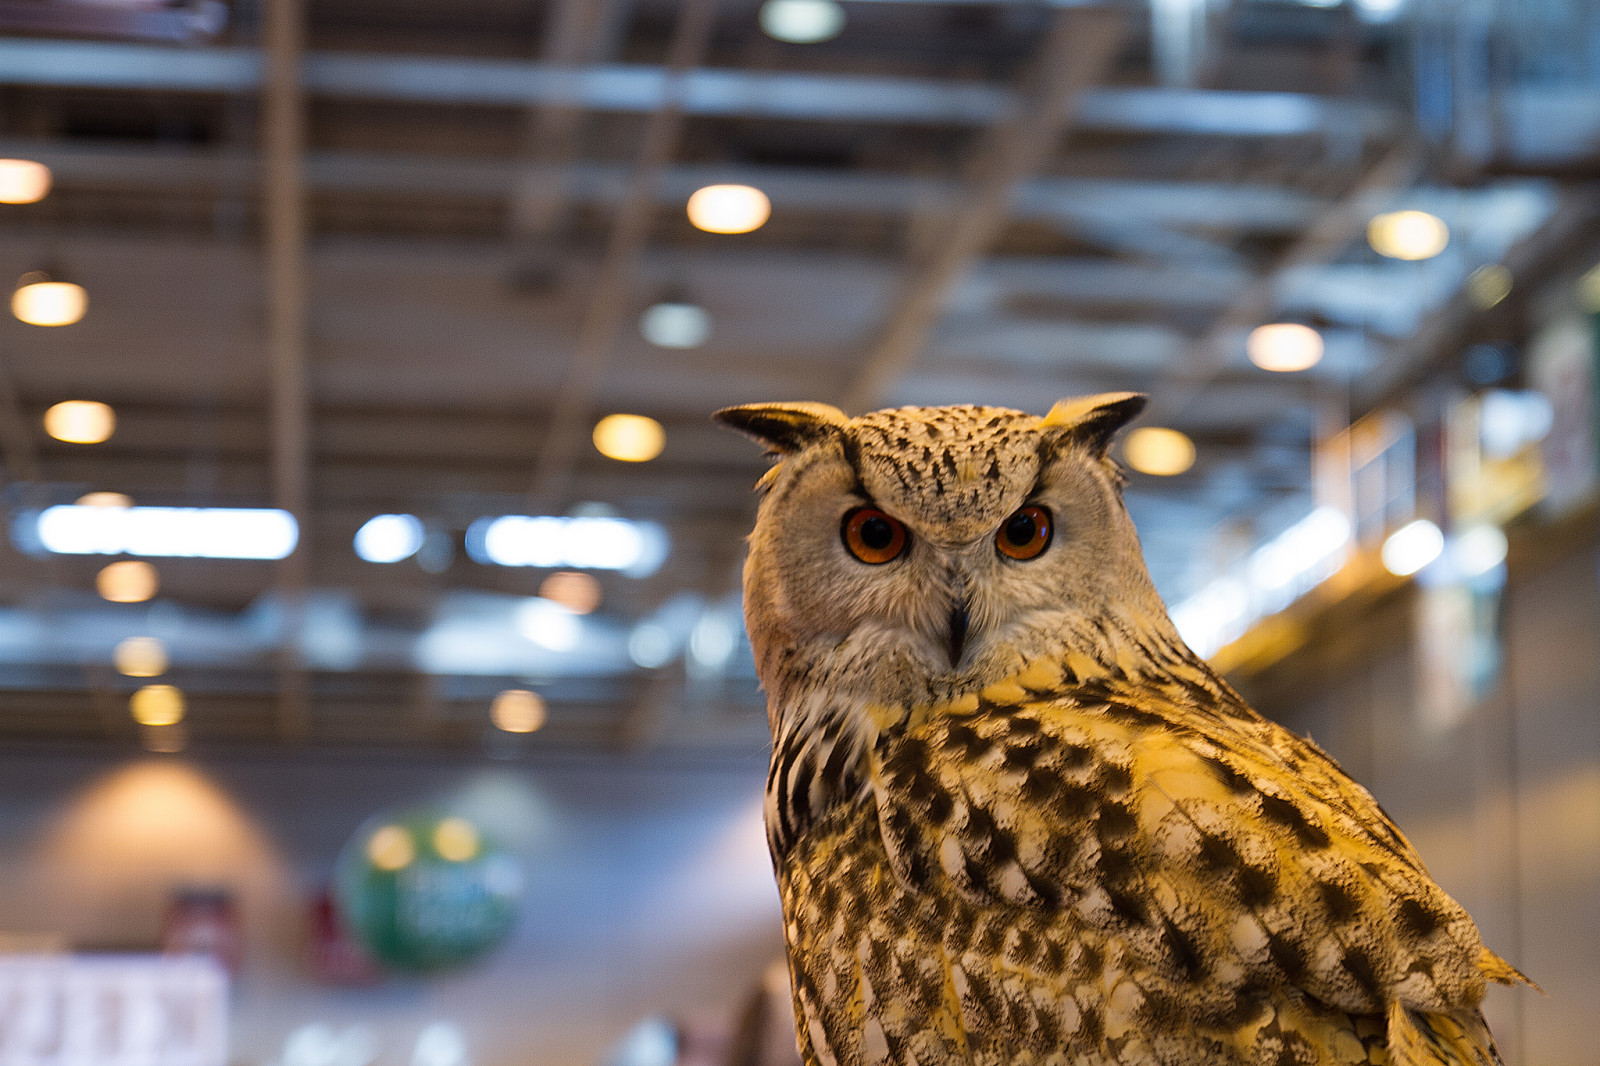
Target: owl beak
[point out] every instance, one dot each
(958, 634)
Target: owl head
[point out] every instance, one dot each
(923, 552)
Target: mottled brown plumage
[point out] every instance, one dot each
(1016, 820)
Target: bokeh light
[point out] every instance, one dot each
(1409, 235)
(1488, 285)
(39, 301)
(128, 581)
(390, 848)
(157, 705)
(103, 499)
(577, 592)
(456, 839)
(802, 21)
(22, 181)
(1284, 347)
(518, 710)
(1158, 451)
(80, 421)
(1412, 547)
(672, 324)
(729, 208)
(629, 438)
(389, 538)
(140, 657)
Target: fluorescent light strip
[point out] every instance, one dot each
(589, 543)
(174, 532)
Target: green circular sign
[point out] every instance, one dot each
(424, 890)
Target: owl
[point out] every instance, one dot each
(1014, 819)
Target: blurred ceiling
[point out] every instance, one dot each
(359, 258)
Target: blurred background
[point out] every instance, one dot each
(373, 688)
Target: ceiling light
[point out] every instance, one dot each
(188, 532)
(675, 324)
(1284, 346)
(650, 645)
(1488, 285)
(802, 21)
(140, 657)
(22, 181)
(104, 499)
(630, 438)
(592, 543)
(549, 625)
(39, 301)
(157, 705)
(1162, 452)
(1409, 235)
(729, 208)
(390, 849)
(1478, 550)
(456, 840)
(517, 710)
(80, 421)
(129, 581)
(1412, 547)
(389, 538)
(577, 592)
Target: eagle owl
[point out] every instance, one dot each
(1015, 819)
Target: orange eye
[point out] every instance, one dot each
(872, 536)
(1025, 534)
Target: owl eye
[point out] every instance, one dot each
(1025, 534)
(872, 536)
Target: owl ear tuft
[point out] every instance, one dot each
(1093, 420)
(784, 427)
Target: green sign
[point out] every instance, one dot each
(423, 890)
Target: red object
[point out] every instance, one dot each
(204, 922)
(332, 955)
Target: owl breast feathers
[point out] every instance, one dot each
(1015, 819)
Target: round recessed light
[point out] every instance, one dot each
(1284, 347)
(629, 438)
(729, 208)
(140, 657)
(80, 421)
(1409, 235)
(517, 710)
(1158, 451)
(39, 301)
(802, 21)
(22, 181)
(130, 581)
(157, 705)
(671, 324)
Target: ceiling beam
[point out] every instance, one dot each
(1226, 205)
(642, 89)
(284, 223)
(1080, 49)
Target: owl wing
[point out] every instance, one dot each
(1192, 841)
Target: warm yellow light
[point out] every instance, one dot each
(390, 848)
(577, 592)
(22, 181)
(456, 839)
(630, 438)
(130, 581)
(729, 208)
(1488, 285)
(1408, 235)
(157, 705)
(104, 499)
(80, 421)
(140, 657)
(1162, 452)
(1284, 346)
(48, 303)
(516, 710)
